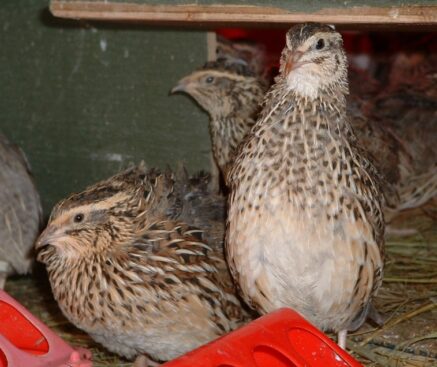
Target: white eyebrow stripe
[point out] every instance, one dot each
(86, 208)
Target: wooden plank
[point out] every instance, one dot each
(231, 14)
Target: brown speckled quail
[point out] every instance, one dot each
(21, 213)
(408, 107)
(135, 280)
(388, 151)
(252, 54)
(305, 225)
(231, 94)
(189, 199)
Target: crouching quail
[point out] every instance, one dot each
(135, 280)
(305, 226)
(21, 212)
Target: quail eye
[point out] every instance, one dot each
(78, 218)
(320, 44)
(209, 79)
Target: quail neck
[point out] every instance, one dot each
(305, 227)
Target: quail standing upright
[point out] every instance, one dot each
(231, 94)
(305, 225)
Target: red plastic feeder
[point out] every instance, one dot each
(26, 342)
(280, 339)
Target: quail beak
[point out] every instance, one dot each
(182, 86)
(47, 238)
(292, 61)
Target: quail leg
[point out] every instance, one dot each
(4, 267)
(2, 280)
(374, 316)
(342, 339)
(144, 361)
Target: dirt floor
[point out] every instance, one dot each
(407, 301)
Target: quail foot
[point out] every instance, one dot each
(305, 225)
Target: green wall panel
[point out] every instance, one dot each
(85, 100)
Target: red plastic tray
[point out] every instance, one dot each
(280, 339)
(26, 342)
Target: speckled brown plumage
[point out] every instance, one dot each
(189, 199)
(231, 95)
(406, 184)
(387, 153)
(20, 217)
(408, 107)
(135, 280)
(253, 55)
(305, 226)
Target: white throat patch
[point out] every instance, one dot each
(304, 83)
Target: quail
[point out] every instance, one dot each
(137, 281)
(414, 72)
(21, 212)
(408, 107)
(189, 199)
(252, 54)
(231, 94)
(305, 226)
(415, 133)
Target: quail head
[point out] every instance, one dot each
(249, 53)
(415, 72)
(231, 95)
(20, 217)
(305, 226)
(136, 281)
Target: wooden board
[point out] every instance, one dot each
(209, 13)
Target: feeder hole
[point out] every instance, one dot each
(20, 331)
(3, 360)
(268, 357)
